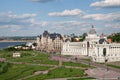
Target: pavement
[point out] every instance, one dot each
(103, 74)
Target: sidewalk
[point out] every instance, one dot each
(102, 73)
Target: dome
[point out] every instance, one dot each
(92, 30)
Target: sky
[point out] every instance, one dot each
(32, 17)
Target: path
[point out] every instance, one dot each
(39, 72)
(101, 73)
(68, 78)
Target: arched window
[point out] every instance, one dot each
(88, 45)
(104, 51)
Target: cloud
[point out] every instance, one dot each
(13, 28)
(94, 16)
(68, 24)
(64, 27)
(13, 19)
(110, 17)
(68, 27)
(114, 26)
(42, 1)
(106, 3)
(74, 12)
(12, 22)
(26, 24)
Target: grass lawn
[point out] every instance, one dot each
(29, 57)
(75, 64)
(114, 66)
(88, 78)
(87, 59)
(19, 71)
(4, 67)
(60, 73)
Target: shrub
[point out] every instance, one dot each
(10, 49)
(4, 67)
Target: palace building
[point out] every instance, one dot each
(94, 46)
(50, 42)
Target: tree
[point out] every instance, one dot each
(115, 37)
(34, 44)
(83, 36)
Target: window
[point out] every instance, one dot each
(104, 51)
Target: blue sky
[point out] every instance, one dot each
(32, 17)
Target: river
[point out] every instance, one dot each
(6, 44)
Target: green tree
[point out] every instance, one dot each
(34, 44)
(83, 36)
(115, 37)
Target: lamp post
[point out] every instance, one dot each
(106, 60)
(60, 60)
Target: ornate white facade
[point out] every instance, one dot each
(112, 53)
(94, 46)
(74, 48)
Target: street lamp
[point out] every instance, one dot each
(106, 60)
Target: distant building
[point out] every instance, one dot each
(30, 45)
(97, 47)
(25, 48)
(16, 54)
(50, 42)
